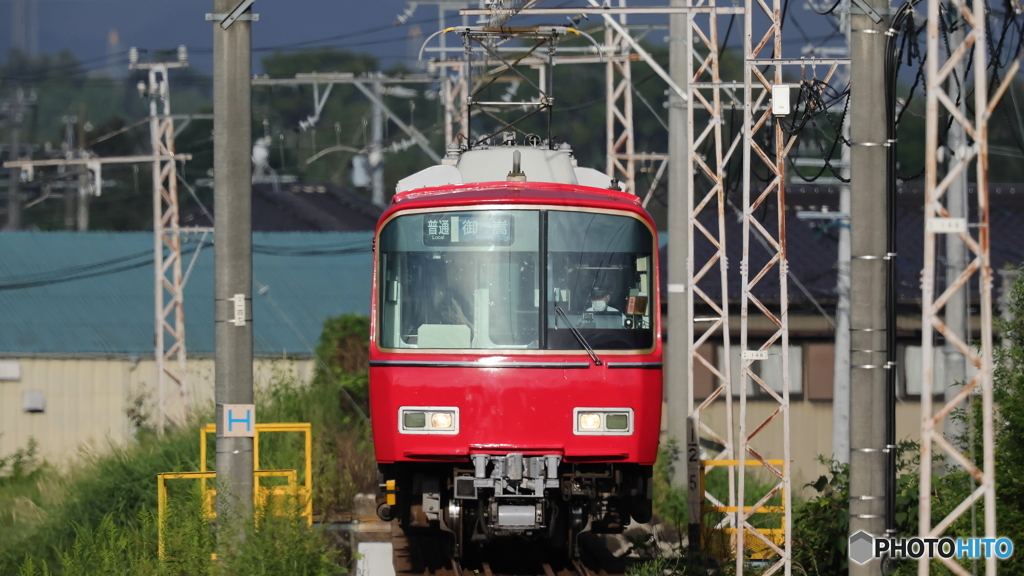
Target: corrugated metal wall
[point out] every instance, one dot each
(86, 399)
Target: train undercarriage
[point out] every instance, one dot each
(538, 497)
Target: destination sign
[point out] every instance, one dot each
(483, 229)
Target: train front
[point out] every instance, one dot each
(515, 368)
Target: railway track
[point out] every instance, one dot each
(427, 555)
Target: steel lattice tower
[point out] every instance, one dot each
(973, 230)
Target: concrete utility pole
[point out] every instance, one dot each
(19, 25)
(68, 151)
(377, 147)
(1007, 278)
(868, 272)
(69, 209)
(82, 221)
(15, 116)
(677, 386)
(841, 364)
(232, 200)
(84, 191)
(956, 250)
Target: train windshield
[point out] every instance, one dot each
(599, 281)
(473, 280)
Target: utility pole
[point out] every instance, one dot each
(232, 167)
(1007, 278)
(869, 19)
(677, 385)
(841, 362)
(15, 116)
(68, 151)
(956, 250)
(82, 223)
(84, 190)
(19, 25)
(376, 156)
(32, 35)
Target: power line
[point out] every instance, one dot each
(142, 259)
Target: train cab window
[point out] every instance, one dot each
(460, 280)
(600, 276)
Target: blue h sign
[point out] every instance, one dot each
(236, 425)
(232, 420)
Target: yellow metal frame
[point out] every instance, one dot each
(260, 497)
(775, 535)
(305, 492)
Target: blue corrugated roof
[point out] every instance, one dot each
(92, 293)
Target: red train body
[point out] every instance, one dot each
(515, 358)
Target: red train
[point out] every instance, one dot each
(515, 355)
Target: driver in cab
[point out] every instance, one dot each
(600, 314)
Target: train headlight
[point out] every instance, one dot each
(428, 420)
(589, 421)
(440, 420)
(603, 421)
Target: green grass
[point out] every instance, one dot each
(99, 517)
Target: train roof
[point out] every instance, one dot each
(484, 176)
(486, 164)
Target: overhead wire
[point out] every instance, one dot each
(70, 67)
(141, 259)
(901, 24)
(827, 11)
(120, 59)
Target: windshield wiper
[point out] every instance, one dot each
(579, 337)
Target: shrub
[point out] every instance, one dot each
(344, 359)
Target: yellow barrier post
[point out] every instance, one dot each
(306, 492)
(262, 498)
(258, 500)
(774, 536)
(207, 495)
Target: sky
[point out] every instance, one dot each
(83, 26)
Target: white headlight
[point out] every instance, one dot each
(428, 420)
(441, 420)
(590, 421)
(603, 421)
